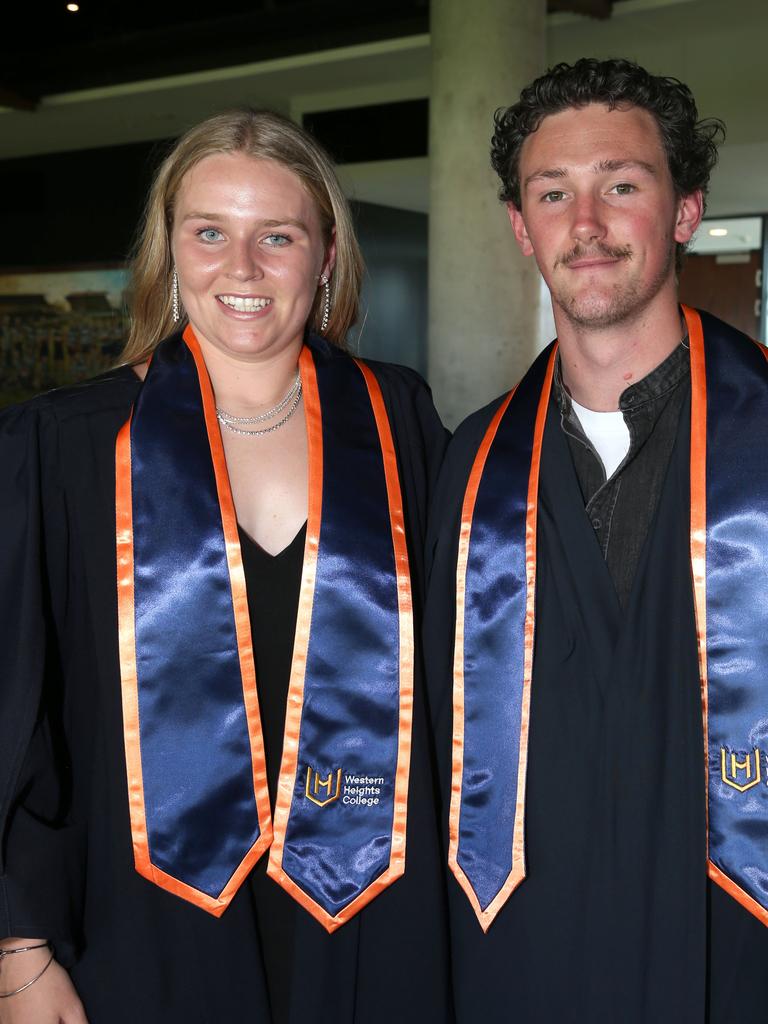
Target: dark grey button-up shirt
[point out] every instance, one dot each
(621, 508)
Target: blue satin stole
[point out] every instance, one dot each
(493, 652)
(729, 555)
(200, 814)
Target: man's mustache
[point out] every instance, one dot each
(599, 250)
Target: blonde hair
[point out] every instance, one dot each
(266, 136)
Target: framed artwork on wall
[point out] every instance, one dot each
(58, 327)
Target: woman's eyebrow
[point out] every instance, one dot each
(270, 223)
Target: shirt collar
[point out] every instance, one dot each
(666, 376)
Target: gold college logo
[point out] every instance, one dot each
(322, 791)
(740, 773)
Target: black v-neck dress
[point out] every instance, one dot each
(136, 952)
(616, 921)
(273, 583)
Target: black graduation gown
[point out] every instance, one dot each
(136, 952)
(616, 922)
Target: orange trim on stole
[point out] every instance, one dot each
(127, 649)
(517, 874)
(699, 519)
(287, 781)
(288, 765)
(405, 618)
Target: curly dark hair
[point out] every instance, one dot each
(690, 144)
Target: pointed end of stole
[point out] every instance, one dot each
(486, 916)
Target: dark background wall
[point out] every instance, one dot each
(393, 324)
(74, 209)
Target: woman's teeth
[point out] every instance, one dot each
(242, 304)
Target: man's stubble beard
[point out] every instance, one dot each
(627, 300)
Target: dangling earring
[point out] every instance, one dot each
(175, 296)
(327, 307)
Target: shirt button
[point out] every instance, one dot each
(597, 523)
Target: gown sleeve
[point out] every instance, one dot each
(41, 848)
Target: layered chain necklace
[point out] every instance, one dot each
(236, 424)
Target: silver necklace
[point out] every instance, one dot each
(270, 412)
(229, 421)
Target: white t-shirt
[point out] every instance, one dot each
(608, 433)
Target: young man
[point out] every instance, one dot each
(600, 547)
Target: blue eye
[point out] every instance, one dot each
(209, 234)
(277, 240)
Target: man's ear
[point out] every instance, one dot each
(690, 210)
(518, 226)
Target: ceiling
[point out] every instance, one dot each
(55, 50)
(117, 73)
(56, 46)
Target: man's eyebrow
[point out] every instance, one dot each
(546, 174)
(602, 167)
(624, 165)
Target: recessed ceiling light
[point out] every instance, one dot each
(718, 232)
(73, 8)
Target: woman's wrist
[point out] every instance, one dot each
(22, 963)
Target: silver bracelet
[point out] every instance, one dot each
(37, 977)
(21, 949)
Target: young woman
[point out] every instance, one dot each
(212, 740)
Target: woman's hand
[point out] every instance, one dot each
(50, 1000)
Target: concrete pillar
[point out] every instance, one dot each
(484, 297)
